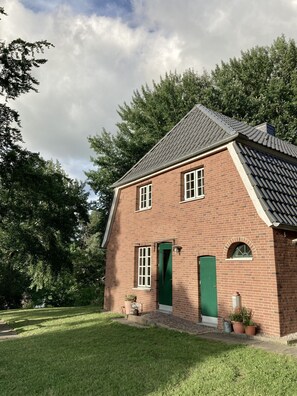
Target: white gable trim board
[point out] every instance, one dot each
(248, 185)
(110, 217)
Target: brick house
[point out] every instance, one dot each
(211, 209)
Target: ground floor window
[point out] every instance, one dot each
(144, 266)
(240, 251)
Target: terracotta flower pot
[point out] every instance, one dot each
(238, 327)
(128, 307)
(250, 330)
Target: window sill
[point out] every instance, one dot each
(192, 199)
(142, 210)
(142, 288)
(240, 259)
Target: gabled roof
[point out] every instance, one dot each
(269, 163)
(199, 131)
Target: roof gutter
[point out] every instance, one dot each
(286, 227)
(180, 161)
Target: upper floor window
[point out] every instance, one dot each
(144, 266)
(145, 197)
(194, 184)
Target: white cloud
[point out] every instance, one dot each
(98, 61)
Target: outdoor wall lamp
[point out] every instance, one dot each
(177, 249)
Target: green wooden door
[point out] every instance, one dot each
(165, 274)
(208, 286)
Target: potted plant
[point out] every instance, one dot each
(249, 324)
(250, 328)
(236, 319)
(129, 299)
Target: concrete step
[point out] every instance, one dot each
(142, 320)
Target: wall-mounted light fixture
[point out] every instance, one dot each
(177, 248)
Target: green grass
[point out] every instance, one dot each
(78, 351)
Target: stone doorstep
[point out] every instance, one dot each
(142, 320)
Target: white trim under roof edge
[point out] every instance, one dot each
(248, 185)
(177, 165)
(110, 217)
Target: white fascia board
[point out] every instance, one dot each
(177, 165)
(248, 185)
(110, 217)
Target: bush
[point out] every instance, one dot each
(85, 295)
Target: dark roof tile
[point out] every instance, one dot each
(274, 178)
(276, 181)
(198, 131)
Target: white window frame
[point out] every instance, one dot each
(145, 197)
(194, 184)
(144, 267)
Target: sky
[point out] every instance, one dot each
(105, 50)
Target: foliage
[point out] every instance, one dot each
(236, 316)
(12, 285)
(260, 86)
(42, 210)
(87, 353)
(130, 297)
(241, 314)
(82, 284)
(151, 113)
(17, 60)
(87, 256)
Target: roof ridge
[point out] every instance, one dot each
(283, 146)
(218, 120)
(154, 147)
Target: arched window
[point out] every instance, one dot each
(241, 250)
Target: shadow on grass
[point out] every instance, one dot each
(102, 358)
(23, 320)
(93, 355)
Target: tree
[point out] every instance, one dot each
(42, 212)
(17, 59)
(151, 114)
(41, 208)
(259, 86)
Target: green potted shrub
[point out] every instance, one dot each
(249, 324)
(236, 318)
(129, 299)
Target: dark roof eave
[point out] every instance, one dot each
(177, 161)
(286, 227)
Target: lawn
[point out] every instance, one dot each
(79, 351)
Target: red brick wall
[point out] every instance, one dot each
(202, 227)
(286, 265)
